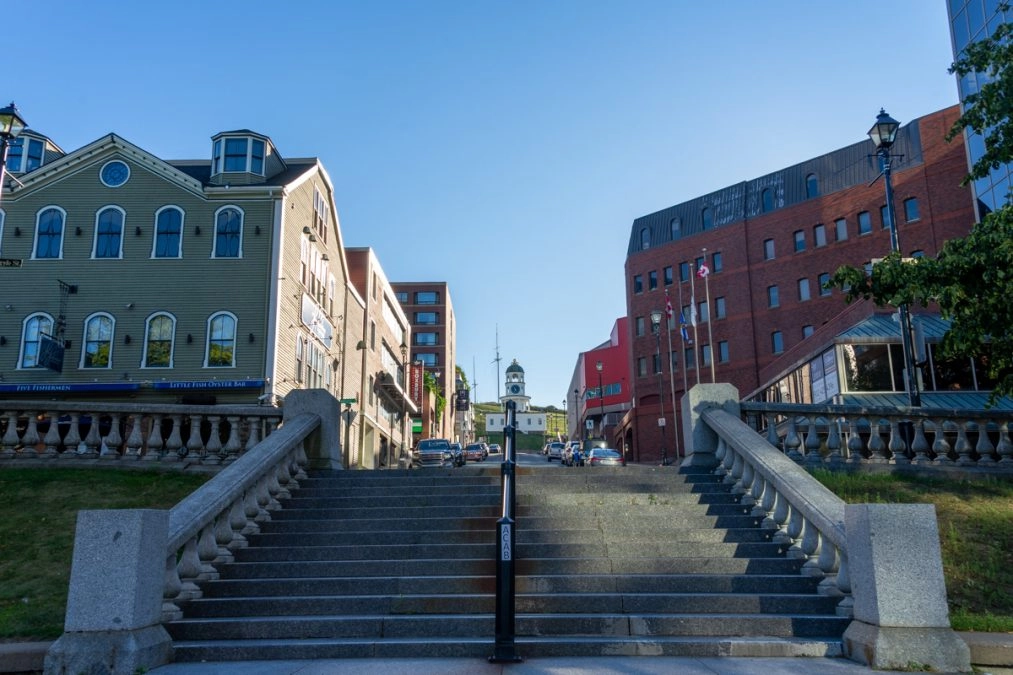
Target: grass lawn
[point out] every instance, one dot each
(38, 514)
(39, 507)
(975, 532)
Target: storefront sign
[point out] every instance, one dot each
(67, 388)
(210, 384)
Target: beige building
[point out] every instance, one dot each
(217, 280)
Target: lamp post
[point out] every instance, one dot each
(566, 421)
(11, 125)
(405, 425)
(601, 398)
(576, 412)
(883, 134)
(656, 315)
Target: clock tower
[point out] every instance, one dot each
(515, 387)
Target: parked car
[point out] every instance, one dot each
(555, 451)
(475, 452)
(606, 457)
(433, 452)
(457, 454)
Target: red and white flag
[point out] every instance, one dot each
(669, 312)
(703, 271)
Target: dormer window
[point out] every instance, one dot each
(238, 155)
(25, 154)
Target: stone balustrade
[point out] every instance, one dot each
(181, 435)
(838, 435)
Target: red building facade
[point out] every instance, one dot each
(769, 244)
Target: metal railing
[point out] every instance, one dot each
(504, 651)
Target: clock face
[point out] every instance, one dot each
(514, 389)
(115, 173)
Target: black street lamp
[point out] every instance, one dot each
(883, 134)
(566, 421)
(601, 399)
(11, 125)
(656, 315)
(404, 400)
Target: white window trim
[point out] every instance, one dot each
(84, 340)
(207, 340)
(214, 233)
(172, 347)
(63, 232)
(123, 232)
(182, 230)
(24, 328)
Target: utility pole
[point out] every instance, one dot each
(496, 361)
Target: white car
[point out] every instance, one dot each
(554, 450)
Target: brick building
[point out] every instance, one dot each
(768, 245)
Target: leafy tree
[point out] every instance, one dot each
(971, 279)
(429, 384)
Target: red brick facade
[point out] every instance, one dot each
(945, 210)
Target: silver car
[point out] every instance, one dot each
(433, 452)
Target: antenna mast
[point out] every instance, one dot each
(496, 361)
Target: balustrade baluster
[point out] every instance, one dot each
(846, 607)
(920, 444)
(174, 450)
(171, 591)
(796, 522)
(984, 446)
(274, 485)
(897, 446)
(940, 446)
(299, 465)
(251, 509)
(154, 452)
(263, 497)
(779, 518)
(237, 521)
(734, 477)
(963, 445)
(877, 448)
(10, 439)
(207, 553)
(31, 438)
(766, 507)
(834, 457)
(195, 444)
(772, 431)
(232, 446)
(744, 485)
(113, 439)
(828, 567)
(720, 454)
(812, 443)
(52, 439)
(92, 440)
(754, 486)
(282, 478)
(214, 444)
(223, 538)
(135, 438)
(253, 434)
(189, 571)
(73, 438)
(792, 443)
(811, 546)
(1004, 448)
(855, 444)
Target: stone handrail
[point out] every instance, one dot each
(803, 513)
(882, 560)
(114, 621)
(173, 435)
(837, 435)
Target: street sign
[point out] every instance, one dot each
(347, 401)
(589, 424)
(661, 421)
(10, 262)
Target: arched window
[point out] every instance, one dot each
(159, 336)
(675, 227)
(168, 233)
(705, 216)
(221, 345)
(645, 239)
(109, 233)
(98, 342)
(812, 186)
(49, 233)
(34, 327)
(767, 200)
(228, 233)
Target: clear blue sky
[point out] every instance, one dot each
(502, 146)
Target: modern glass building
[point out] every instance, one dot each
(970, 21)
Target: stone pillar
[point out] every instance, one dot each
(901, 620)
(323, 448)
(114, 604)
(701, 441)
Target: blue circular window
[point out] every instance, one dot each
(114, 173)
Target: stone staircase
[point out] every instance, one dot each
(610, 561)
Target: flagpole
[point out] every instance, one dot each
(671, 371)
(693, 318)
(710, 315)
(682, 335)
